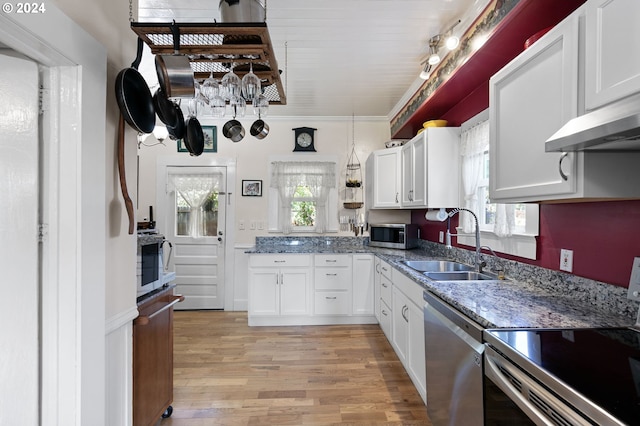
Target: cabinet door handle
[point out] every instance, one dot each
(145, 319)
(331, 297)
(397, 197)
(384, 313)
(279, 261)
(377, 267)
(404, 310)
(384, 269)
(331, 260)
(562, 174)
(383, 285)
(332, 275)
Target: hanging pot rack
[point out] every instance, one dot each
(216, 47)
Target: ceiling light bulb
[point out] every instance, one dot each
(425, 74)
(434, 59)
(452, 42)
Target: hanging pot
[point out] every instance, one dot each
(166, 109)
(194, 136)
(259, 129)
(134, 97)
(174, 71)
(233, 130)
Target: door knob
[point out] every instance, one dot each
(219, 238)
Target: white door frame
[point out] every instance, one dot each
(74, 249)
(165, 161)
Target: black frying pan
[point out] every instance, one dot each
(180, 128)
(194, 137)
(166, 109)
(134, 97)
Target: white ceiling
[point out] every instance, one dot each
(341, 57)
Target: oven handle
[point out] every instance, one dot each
(145, 319)
(492, 371)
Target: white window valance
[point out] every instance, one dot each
(318, 176)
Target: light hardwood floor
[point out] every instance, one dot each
(226, 373)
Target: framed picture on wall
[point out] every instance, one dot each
(252, 188)
(210, 140)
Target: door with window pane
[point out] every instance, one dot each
(195, 226)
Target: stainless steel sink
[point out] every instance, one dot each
(436, 265)
(460, 276)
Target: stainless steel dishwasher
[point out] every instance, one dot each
(453, 349)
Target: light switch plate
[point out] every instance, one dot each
(634, 282)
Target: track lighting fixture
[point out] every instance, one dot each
(448, 39)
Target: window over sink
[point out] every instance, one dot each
(507, 228)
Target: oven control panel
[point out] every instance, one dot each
(634, 282)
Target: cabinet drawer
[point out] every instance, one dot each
(279, 260)
(385, 269)
(385, 290)
(333, 278)
(333, 260)
(332, 303)
(385, 319)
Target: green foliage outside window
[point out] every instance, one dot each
(303, 210)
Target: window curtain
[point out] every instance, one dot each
(474, 142)
(195, 189)
(286, 176)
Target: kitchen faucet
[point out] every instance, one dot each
(479, 263)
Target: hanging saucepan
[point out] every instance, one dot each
(194, 136)
(134, 97)
(233, 130)
(259, 129)
(174, 71)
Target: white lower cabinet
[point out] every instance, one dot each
(363, 282)
(305, 289)
(408, 329)
(333, 284)
(279, 285)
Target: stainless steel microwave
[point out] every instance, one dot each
(394, 235)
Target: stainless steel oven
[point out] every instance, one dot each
(562, 376)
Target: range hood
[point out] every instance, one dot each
(615, 127)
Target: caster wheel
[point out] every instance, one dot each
(168, 413)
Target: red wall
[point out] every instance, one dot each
(604, 237)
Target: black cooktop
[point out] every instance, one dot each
(601, 364)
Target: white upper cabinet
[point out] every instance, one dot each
(430, 169)
(383, 179)
(530, 99)
(612, 70)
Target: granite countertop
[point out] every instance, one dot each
(510, 303)
(492, 304)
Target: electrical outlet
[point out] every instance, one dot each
(441, 237)
(566, 260)
(241, 225)
(252, 225)
(260, 224)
